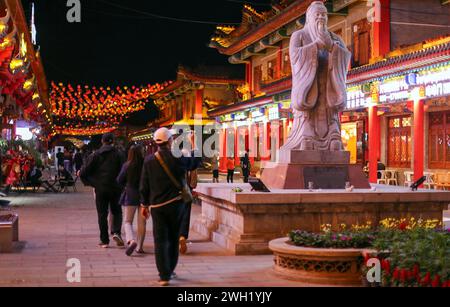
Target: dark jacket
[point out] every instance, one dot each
(156, 187)
(78, 160)
(102, 168)
(60, 158)
(130, 195)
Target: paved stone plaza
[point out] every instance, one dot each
(57, 227)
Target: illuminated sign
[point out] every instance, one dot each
(226, 118)
(437, 89)
(274, 112)
(257, 112)
(258, 115)
(433, 82)
(356, 98)
(241, 116)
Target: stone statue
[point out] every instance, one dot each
(319, 69)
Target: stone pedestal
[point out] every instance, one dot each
(246, 222)
(325, 169)
(9, 233)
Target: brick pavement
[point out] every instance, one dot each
(57, 227)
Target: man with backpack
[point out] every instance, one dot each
(100, 171)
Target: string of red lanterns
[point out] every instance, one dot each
(89, 110)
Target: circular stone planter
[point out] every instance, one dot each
(325, 266)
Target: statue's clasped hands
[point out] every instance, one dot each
(324, 40)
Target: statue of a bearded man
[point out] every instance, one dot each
(319, 69)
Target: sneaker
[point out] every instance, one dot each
(183, 245)
(118, 239)
(174, 276)
(130, 249)
(139, 251)
(163, 283)
(103, 245)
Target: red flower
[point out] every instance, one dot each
(387, 267)
(411, 275)
(416, 270)
(436, 281)
(403, 225)
(427, 279)
(396, 274)
(403, 275)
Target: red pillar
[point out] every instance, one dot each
(381, 28)
(252, 142)
(199, 102)
(236, 146)
(265, 141)
(418, 139)
(223, 151)
(374, 143)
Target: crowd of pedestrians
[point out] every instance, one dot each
(157, 186)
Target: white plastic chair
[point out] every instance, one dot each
(409, 179)
(429, 182)
(391, 177)
(383, 178)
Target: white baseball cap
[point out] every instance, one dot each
(162, 135)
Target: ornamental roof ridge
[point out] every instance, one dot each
(427, 48)
(282, 13)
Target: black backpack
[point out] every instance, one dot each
(87, 171)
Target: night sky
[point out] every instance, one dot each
(116, 45)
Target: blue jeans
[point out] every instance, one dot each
(166, 234)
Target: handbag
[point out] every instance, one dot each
(192, 178)
(185, 191)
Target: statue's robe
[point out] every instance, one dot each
(318, 93)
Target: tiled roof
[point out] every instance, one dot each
(402, 62)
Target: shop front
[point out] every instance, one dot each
(412, 108)
(259, 131)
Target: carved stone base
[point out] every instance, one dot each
(325, 169)
(324, 266)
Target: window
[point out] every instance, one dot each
(257, 75)
(361, 43)
(399, 141)
(272, 70)
(286, 64)
(439, 140)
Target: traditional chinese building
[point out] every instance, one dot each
(377, 36)
(23, 86)
(194, 92)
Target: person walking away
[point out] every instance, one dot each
(192, 180)
(100, 171)
(164, 189)
(129, 178)
(60, 158)
(230, 168)
(67, 160)
(78, 160)
(215, 168)
(245, 165)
